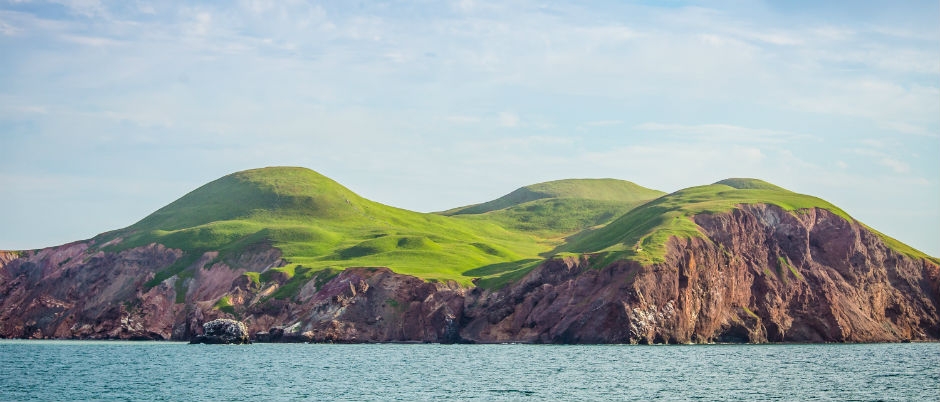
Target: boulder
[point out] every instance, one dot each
(223, 331)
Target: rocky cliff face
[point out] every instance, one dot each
(77, 291)
(760, 274)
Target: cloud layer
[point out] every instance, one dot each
(109, 110)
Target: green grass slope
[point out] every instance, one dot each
(586, 189)
(322, 227)
(319, 224)
(558, 208)
(641, 234)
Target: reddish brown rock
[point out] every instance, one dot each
(760, 274)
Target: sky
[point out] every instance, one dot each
(110, 110)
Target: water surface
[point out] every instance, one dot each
(112, 370)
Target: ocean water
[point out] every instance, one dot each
(168, 371)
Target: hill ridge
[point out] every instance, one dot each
(605, 189)
(320, 224)
(298, 257)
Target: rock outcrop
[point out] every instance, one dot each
(761, 275)
(758, 274)
(223, 331)
(80, 291)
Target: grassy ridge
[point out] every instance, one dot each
(322, 227)
(555, 209)
(615, 191)
(642, 233)
(319, 224)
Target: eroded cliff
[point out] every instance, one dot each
(760, 274)
(757, 274)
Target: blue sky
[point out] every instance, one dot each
(110, 110)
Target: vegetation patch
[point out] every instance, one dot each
(181, 286)
(321, 227)
(186, 260)
(395, 305)
(301, 276)
(253, 277)
(584, 189)
(749, 312)
(902, 248)
(500, 268)
(785, 264)
(501, 275)
(642, 234)
(225, 305)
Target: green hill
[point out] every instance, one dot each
(319, 224)
(322, 227)
(750, 184)
(641, 234)
(586, 189)
(559, 208)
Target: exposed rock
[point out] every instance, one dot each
(223, 331)
(77, 291)
(760, 274)
(763, 274)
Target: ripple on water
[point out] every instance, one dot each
(55, 370)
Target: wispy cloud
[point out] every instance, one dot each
(724, 132)
(475, 89)
(508, 119)
(604, 123)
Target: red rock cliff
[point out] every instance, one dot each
(759, 274)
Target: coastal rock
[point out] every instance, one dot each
(223, 331)
(758, 274)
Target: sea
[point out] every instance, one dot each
(171, 371)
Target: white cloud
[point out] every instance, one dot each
(610, 34)
(879, 152)
(200, 24)
(831, 33)
(33, 109)
(92, 41)
(85, 8)
(269, 82)
(724, 132)
(895, 165)
(907, 128)
(779, 37)
(8, 30)
(508, 119)
(883, 102)
(604, 123)
(461, 119)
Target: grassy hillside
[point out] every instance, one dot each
(322, 227)
(585, 189)
(559, 208)
(641, 234)
(320, 224)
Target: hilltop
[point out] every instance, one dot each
(319, 224)
(585, 189)
(559, 208)
(642, 234)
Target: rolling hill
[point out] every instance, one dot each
(559, 208)
(319, 224)
(299, 257)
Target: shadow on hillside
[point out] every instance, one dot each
(499, 268)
